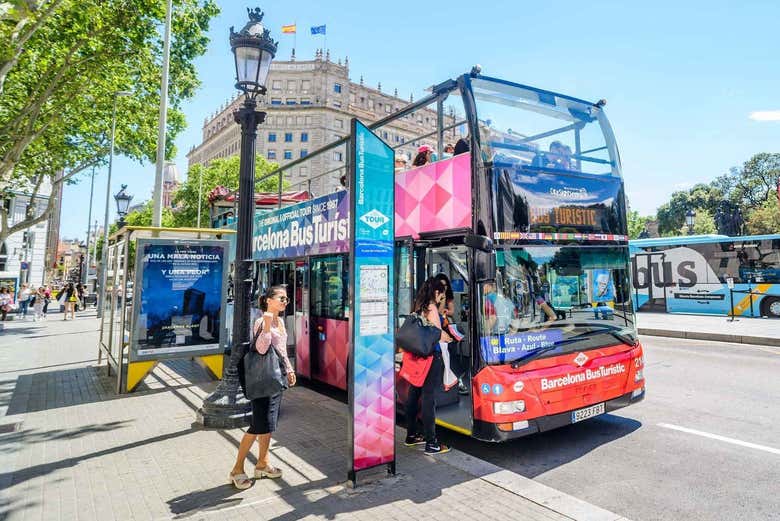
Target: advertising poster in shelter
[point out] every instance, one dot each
(180, 291)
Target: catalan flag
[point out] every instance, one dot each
(288, 29)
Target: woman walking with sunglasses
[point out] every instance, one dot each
(270, 333)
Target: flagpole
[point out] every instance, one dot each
(295, 37)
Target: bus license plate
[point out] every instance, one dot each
(587, 412)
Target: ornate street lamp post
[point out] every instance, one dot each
(253, 50)
(122, 199)
(690, 219)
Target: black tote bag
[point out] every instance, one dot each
(417, 338)
(263, 374)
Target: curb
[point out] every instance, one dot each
(716, 337)
(528, 489)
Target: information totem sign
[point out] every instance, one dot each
(371, 361)
(179, 298)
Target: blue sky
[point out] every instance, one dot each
(681, 78)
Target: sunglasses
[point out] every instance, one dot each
(282, 299)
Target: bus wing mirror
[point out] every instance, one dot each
(478, 242)
(484, 265)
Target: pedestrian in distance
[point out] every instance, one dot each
(426, 304)
(40, 301)
(71, 297)
(6, 299)
(80, 305)
(25, 293)
(47, 299)
(270, 333)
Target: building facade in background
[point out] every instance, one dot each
(309, 104)
(23, 254)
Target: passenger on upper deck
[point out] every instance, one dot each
(449, 151)
(401, 163)
(424, 156)
(462, 145)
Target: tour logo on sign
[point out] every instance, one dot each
(375, 218)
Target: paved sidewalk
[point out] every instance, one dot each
(76, 450)
(762, 331)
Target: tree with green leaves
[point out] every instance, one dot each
(219, 172)
(62, 63)
(636, 224)
(765, 218)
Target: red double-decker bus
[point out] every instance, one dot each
(527, 218)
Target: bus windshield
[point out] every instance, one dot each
(536, 128)
(551, 300)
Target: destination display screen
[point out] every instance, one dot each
(532, 201)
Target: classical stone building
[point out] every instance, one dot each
(310, 104)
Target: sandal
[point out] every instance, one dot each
(268, 472)
(240, 481)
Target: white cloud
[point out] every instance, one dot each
(765, 115)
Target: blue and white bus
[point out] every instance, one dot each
(692, 275)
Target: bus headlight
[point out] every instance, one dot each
(509, 407)
(638, 376)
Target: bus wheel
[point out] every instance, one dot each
(770, 307)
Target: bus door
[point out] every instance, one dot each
(300, 300)
(329, 319)
(416, 263)
(284, 273)
(650, 282)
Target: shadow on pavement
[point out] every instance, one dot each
(28, 473)
(67, 387)
(40, 436)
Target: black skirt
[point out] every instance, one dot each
(265, 414)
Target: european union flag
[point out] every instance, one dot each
(320, 29)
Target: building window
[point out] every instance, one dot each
(272, 154)
(272, 137)
(290, 84)
(337, 104)
(288, 154)
(388, 108)
(276, 101)
(304, 152)
(338, 123)
(384, 134)
(308, 120)
(290, 101)
(303, 171)
(288, 137)
(276, 85)
(304, 137)
(370, 104)
(290, 120)
(338, 156)
(337, 88)
(305, 85)
(305, 101)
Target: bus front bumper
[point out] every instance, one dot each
(490, 432)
